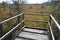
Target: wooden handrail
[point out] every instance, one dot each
(57, 24)
(36, 21)
(37, 14)
(11, 18)
(50, 27)
(11, 30)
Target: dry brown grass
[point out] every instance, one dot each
(29, 9)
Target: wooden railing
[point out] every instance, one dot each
(19, 23)
(51, 18)
(51, 30)
(2, 37)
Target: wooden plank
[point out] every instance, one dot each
(32, 34)
(43, 32)
(38, 28)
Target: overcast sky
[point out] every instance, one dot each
(29, 1)
(37, 1)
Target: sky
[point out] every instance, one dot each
(29, 1)
(37, 1)
(10, 1)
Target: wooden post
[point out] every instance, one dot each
(18, 19)
(49, 28)
(1, 30)
(23, 19)
(49, 19)
(18, 11)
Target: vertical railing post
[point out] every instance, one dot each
(23, 19)
(49, 19)
(1, 30)
(49, 28)
(18, 19)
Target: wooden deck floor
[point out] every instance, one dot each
(32, 34)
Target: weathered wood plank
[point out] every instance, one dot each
(32, 34)
(38, 28)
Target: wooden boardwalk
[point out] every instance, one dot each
(27, 33)
(32, 34)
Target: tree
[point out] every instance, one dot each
(3, 4)
(18, 4)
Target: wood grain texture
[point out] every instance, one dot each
(32, 34)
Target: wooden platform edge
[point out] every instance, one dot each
(38, 28)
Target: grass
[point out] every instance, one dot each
(34, 10)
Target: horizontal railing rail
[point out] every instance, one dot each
(36, 21)
(11, 18)
(37, 14)
(57, 24)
